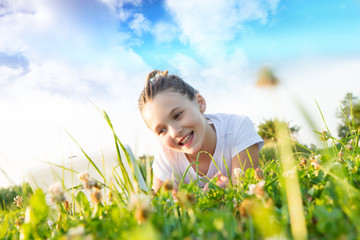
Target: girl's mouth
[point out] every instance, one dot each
(185, 141)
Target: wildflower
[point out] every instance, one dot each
(251, 189)
(259, 189)
(302, 163)
(84, 176)
(238, 172)
(88, 183)
(58, 194)
(18, 200)
(318, 158)
(259, 175)
(19, 221)
(168, 185)
(246, 207)
(96, 196)
(325, 136)
(316, 165)
(67, 205)
(315, 161)
(340, 154)
(349, 146)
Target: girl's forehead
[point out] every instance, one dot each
(169, 96)
(162, 105)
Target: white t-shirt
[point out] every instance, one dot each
(234, 133)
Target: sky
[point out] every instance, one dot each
(61, 60)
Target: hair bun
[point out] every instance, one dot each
(155, 73)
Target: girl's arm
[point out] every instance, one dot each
(156, 184)
(243, 158)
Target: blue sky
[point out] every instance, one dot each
(56, 55)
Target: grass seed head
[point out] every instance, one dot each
(142, 214)
(325, 136)
(168, 185)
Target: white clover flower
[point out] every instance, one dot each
(251, 189)
(261, 184)
(238, 172)
(58, 194)
(140, 200)
(84, 176)
(18, 200)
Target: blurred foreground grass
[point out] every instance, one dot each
(256, 207)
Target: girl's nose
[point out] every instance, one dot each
(176, 131)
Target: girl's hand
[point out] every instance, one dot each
(222, 181)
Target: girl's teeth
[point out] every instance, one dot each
(186, 139)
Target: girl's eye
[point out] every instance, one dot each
(178, 115)
(161, 131)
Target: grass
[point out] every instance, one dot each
(312, 194)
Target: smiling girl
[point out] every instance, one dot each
(175, 112)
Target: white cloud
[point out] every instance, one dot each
(164, 32)
(70, 60)
(208, 25)
(117, 7)
(139, 24)
(7, 73)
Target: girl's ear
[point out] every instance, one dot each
(201, 102)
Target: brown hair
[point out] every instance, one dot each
(158, 81)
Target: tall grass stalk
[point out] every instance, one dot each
(292, 187)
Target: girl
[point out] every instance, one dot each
(175, 112)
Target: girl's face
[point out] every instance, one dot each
(178, 122)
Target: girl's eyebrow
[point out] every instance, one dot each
(173, 110)
(170, 114)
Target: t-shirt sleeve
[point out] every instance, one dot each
(161, 166)
(245, 136)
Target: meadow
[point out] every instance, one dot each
(296, 193)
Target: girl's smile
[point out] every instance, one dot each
(179, 122)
